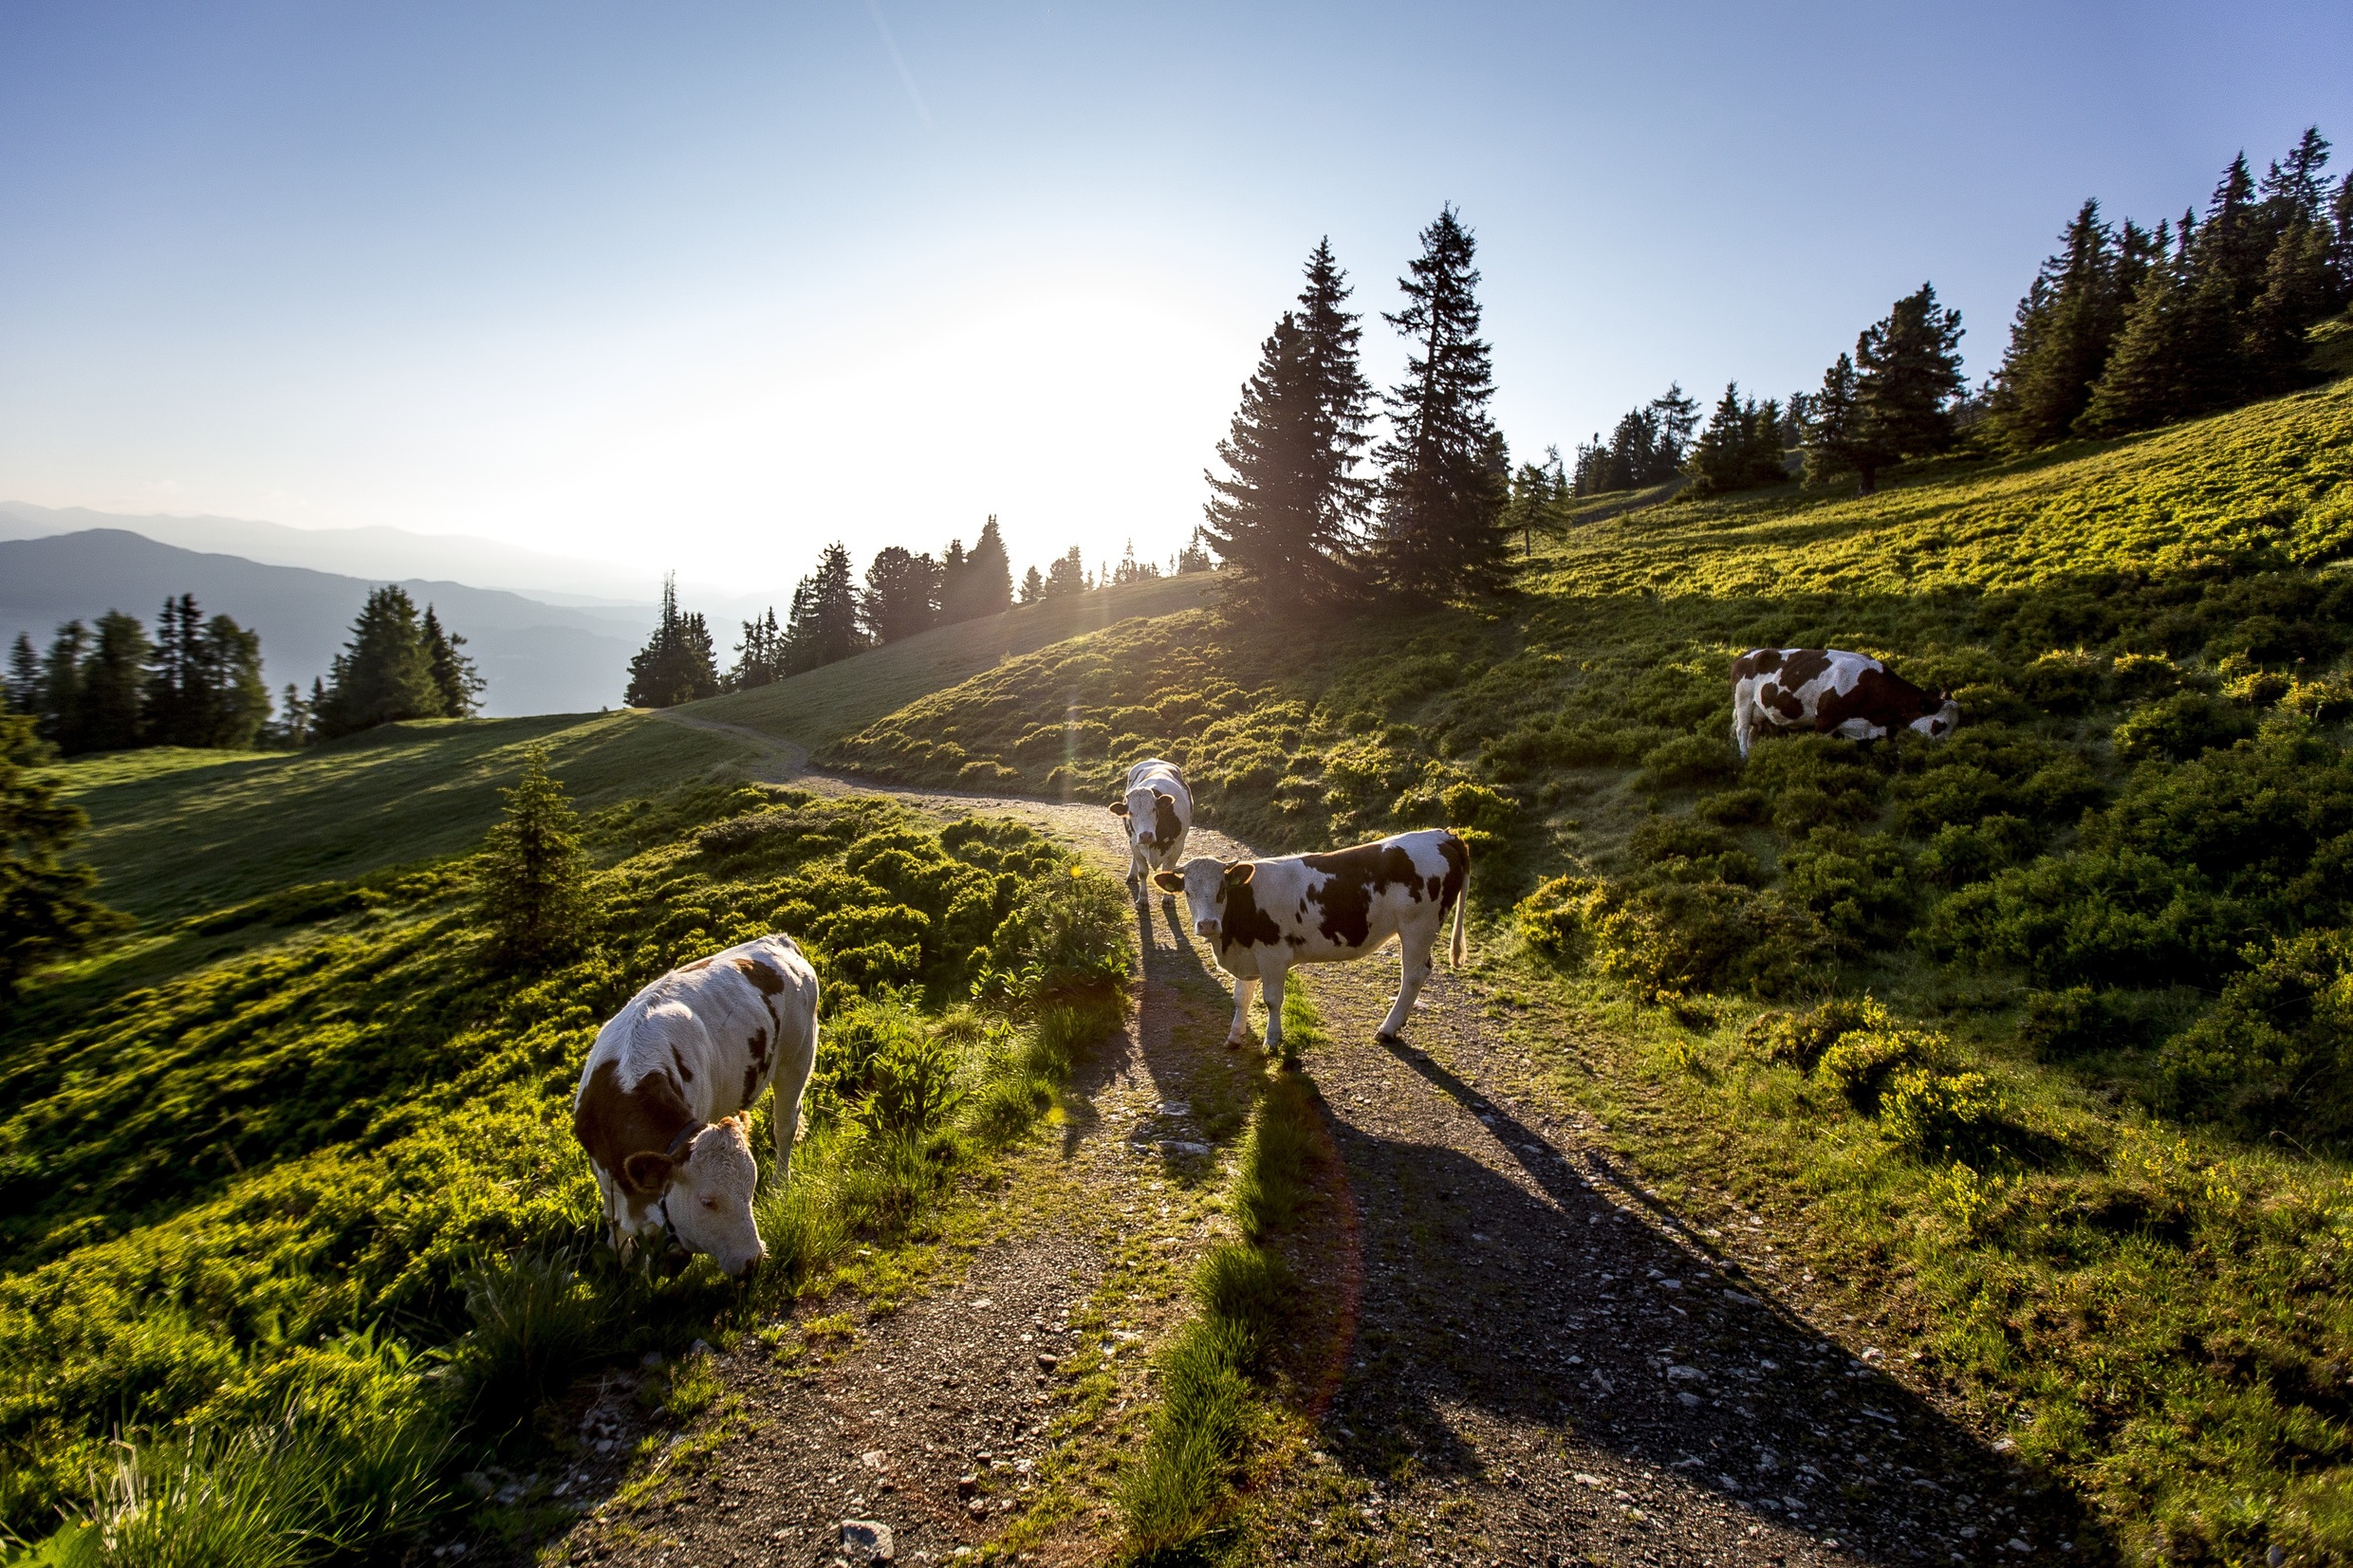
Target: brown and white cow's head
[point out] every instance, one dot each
(1942, 722)
(705, 1192)
(1153, 825)
(1205, 881)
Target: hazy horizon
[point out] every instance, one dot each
(705, 291)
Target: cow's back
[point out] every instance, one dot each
(717, 1029)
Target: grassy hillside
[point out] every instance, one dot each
(289, 1197)
(176, 831)
(2089, 1130)
(822, 705)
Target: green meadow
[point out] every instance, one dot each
(293, 1230)
(2040, 1033)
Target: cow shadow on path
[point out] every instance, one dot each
(1525, 1308)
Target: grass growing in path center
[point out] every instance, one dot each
(1214, 1375)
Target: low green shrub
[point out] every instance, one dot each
(1929, 1113)
(1684, 849)
(1687, 762)
(1858, 885)
(1859, 1066)
(2181, 727)
(2275, 1053)
(2080, 1020)
(1799, 1039)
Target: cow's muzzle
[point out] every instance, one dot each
(1207, 928)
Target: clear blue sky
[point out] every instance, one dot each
(706, 284)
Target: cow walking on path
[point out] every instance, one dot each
(664, 1106)
(1158, 809)
(1264, 916)
(1830, 691)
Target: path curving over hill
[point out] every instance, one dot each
(1534, 1360)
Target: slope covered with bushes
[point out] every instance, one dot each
(2093, 1129)
(255, 1202)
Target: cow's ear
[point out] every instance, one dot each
(1118, 808)
(1168, 881)
(1239, 873)
(647, 1172)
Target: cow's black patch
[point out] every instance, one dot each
(1351, 878)
(1878, 698)
(1166, 826)
(1458, 857)
(1242, 923)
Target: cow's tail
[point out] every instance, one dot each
(1460, 948)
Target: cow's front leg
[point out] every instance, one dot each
(1272, 979)
(1137, 869)
(1413, 969)
(1240, 1035)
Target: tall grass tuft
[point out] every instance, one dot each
(535, 1322)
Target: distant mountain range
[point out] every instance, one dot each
(386, 555)
(539, 657)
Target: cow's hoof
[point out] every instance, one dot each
(1388, 1039)
(1234, 1043)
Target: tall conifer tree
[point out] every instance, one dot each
(2066, 328)
(383, 674)
(454, 675)
(823, 625)
(114, 686)
(23, 677)
(529, 877)
(1443, 481)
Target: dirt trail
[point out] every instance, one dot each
(1537, 1363)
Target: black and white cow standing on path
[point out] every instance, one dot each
(1264, 916)
(664, 1107)
(1158, 809)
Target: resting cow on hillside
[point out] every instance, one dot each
(1158, 809)
(1263, 916)
(664, 1107)
(1831, 693)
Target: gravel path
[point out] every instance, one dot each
(1532, 1360)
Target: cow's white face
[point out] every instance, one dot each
(1939, 724)
(1153, 825)
(708, 1194)
(1203, 880)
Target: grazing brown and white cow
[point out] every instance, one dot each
(1263, 916)
(1830, 691)
(664, 1107)
(1158, 809)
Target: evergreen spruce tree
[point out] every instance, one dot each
(529, 879)
(1908, 376)
(1066, 574)
(1194, 556)
(987, 579)
(454, 675)
(1291, 510)
(677, 663)
(2061, 339)
(2300, 292)
(114, 685)
(1765, 464)
(760, 657)
(1443, 480)
(1719, 459)
(23, 676)
(291, 728)
(823, 625)
(2177, 354)
(383, 674)
(1032, 586)
(61, 686)
(176, 694)
(46, 913)
(902, 594)
(236, 699)
(1836, 443)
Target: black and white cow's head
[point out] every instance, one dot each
(1205, 882)
(1153, 825)
(1942, 722)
